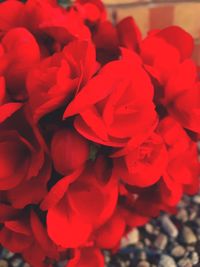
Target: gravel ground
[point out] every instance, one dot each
(168, 241)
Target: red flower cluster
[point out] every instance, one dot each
(98, 128)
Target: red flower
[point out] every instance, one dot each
(92, 11)
(69, 151)
(19, 53)
(7, 106)
(144, 165)
(11, 15)
(47, 17)
(58, 78)
(90, 257)
(183, 167)
(113, 98)
(164, 50)
(78, 204)
(44, 19)
(185, 108)
(25, 169)
(109, 235)
(25, 234)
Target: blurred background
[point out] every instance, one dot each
(159, 14)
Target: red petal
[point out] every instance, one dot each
(31, 191)
(19, 226)
(7, 212)
(69, 151)
(67, 228)
(58, 190)
(41, 236)
(96, 89)
(109, 235)
(129, 34)
(11, 14)
(180, 39)
(87, 257)
(8, 109)
(13, 241)
(182, 80)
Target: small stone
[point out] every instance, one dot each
(9, 254)
(178, 251)
(161, 241)
(149, 228)
(16, 262)
(139, 245)
(196, 199)
(166, 261)
(169, 226)
(190, 248)
(143, 264)
(3, 263)
(193, 215)
(147, 242)
(131, 238)
(182, 215)
(156, 231)
(188, 235)
(194, 258)
(142, 256)
(185, 262)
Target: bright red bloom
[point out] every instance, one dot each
(69, 151)
(56, 79)
(25, 168)
(87, 257)
(92, 11)
(25, 234)
(45, 19)
(7, 106)
(79, 203)
(109, 235)
(183, 167)
(113, 98)
(19, 52)
(144, 165)
(98, 128)
(185, 108)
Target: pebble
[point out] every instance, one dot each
(149, 228)
(194, 258)
(131, 238)
(161, 241)
(178, 251)
(142, 255)
(169, 226)
(143, 264)
(166, 261)
(16, 262)
(3, 263)
(147, 242)
(185, 262)
(188, 235)
(196, 199)
(139, 245)
(182, 215)
(193, 215)
(190, 248)
(9, 255)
